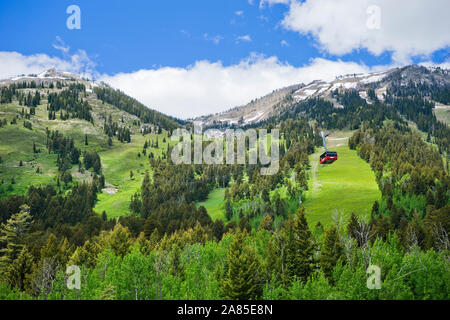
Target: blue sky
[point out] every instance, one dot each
(119, 38)
(124, 36)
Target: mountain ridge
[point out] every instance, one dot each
(134, 107)
(379, 81)
(279, 100)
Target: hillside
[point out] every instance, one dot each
(21, 166)
(29, 147)
(346, 186)
(255, 111)
(371, 87)
(87, 180)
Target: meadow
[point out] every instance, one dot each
(117, 163)
(348, 185)
(214, 205)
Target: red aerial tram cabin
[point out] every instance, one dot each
(328, 157)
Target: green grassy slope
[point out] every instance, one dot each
(346, 186)
(117, 163)
(16, 144)
(214, 205)
(442, 113)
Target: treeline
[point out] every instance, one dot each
(68, 154)
(53, 212)
(134, 107)
(112, 129)
(355, 111)
(170, 183)
(8, 93)
(29, 100)
(410, 174)
(248, 196)
(92, 160)
(412, 100)
(71, 101)
(415, 106)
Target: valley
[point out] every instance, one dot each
(87, 179)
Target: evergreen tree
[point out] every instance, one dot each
(265, 195)
(218, 229)
(228, 210)
(12, 234)
(353, 226)
(145, 194)
(86, 255)
(18, 272)
(245, 225)
(266, 224)
(119, 240)
(299, 248)
(102, 181)
(242, 279)
(330, 252)
(54, 257)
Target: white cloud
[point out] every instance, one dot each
(60, 45)
(209, 87)
(14, 63)
(245, 38)
(407, 27)
(239, 13)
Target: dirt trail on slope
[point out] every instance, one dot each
(315, 185)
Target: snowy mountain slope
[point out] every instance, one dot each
(279, 100)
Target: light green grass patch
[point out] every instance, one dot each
(117, 163)
(214, 205)
(348, 185)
